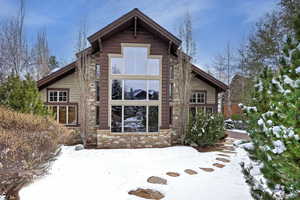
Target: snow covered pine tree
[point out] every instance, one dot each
(274, 128)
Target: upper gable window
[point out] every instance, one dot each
(198, 98)
(135, 61)
(57, 95)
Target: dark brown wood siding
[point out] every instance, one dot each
(113, 45)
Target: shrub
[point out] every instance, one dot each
(28, 144)
(22, 95)
(205, 129)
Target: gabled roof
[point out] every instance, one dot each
(69, 69)
(140, 17)
(210, 79)
(57, 75)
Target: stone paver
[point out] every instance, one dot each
(157, 180)
(218, 165)
(223, 160)
(190, 172)
(173, 174)
(226, 151)
(220, 154)
(147, 193)
(207, 169)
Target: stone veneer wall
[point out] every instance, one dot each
(106, 139)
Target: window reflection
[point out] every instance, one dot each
(134, 118)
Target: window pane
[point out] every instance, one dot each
(117, 65)
(54, 111)
(153, 119)
(97, 70)
(53, 96)
(172, 72)
(135, 60)
(135, 118)
(129, 58)
(171, 91)
(141, 60)
(116, 119)
(97, 91)
(62, 114)
(135, 89)
(71, 115)
(193, 111)
(62, 96)
(209, 109)
(97, 115)
(116, 90)
(153, 66)
(171, 115)
(153, 90)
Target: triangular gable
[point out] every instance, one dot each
(129, 19)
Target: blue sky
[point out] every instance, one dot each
(215, 22)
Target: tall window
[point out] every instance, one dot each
(135, 90)
(198, 98)
(97, 90)
(64, 114)
(97, 70)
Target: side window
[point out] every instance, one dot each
(97, 70)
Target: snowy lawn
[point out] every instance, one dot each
(110, 174)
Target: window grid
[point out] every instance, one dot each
(198, 98)
(57, 96)
(58, 108)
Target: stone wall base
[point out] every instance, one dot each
(106, 139)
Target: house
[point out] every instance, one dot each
(240, 92)
(132, 96)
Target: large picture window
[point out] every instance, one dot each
(64, 114)
(135, 90)
(134, 119)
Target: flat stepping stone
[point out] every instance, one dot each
(190, 172)
(207, 169)
(226, 151)
(147, 193)
(218, 165)
(173, 174)
(229, 148)
(220, 154)
(157, 180)
(223, 160)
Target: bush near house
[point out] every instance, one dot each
(22, 95)
(28, 143)
(205, 129)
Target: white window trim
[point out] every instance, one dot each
(67, 114)
(134, 77)
(197, 92)
(58, 91)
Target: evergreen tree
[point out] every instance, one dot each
(22, 95)
(274, 127)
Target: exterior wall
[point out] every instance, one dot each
(197, 84)
(106, 139)
(71, 82)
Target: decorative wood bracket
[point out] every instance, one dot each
(100, 44)
(135, 26)
(169, 49)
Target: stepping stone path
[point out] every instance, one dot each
(147, 193)
(223, 160)
(218, 165)
(229, 148)
(220, 154)
(207, 169)
(173, 174)
(190, 172)
(226, 151)
(157, 180)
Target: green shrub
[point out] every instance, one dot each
(205, 129)
(236, 117)
(22, 95)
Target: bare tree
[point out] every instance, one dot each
(14, 54)
(82, 66)
(225, 67)
(185, 56)
(40, 53)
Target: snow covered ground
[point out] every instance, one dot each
(110, 174)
